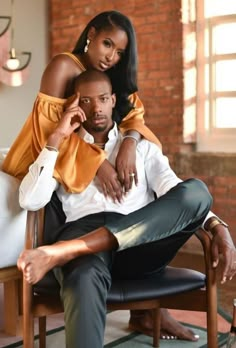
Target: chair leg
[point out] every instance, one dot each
(28, 318)
(212, 329)
(42, 332)
(156, 326)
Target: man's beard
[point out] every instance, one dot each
(98, 129)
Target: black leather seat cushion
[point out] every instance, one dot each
(170, 282)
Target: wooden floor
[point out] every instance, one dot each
(225, 296)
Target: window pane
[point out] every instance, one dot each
(225, 113)
(225, 71)
(219, 7)
(222, 43)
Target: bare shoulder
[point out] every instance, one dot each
(58, 75)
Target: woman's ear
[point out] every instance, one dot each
(91, 33)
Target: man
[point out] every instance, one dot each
(104, 237)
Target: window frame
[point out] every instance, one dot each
(210, 138)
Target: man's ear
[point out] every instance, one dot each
(91, 33)
(113, 97)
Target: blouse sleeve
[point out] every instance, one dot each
(135, 120)
(77, 161)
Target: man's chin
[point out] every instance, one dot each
(99, 128)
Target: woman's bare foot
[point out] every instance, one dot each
(35, 263)
(142, 321)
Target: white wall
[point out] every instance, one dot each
(31, 34)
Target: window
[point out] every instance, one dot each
(216, 75)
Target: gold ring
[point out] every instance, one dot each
(132, 174)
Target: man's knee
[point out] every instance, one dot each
(196, 194)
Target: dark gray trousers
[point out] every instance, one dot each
(148, 238)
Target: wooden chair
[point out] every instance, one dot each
(178, 288)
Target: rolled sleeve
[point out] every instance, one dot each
(38, 185)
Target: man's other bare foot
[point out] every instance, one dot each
(35, 263)
(142, 321)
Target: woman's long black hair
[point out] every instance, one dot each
(124, 75)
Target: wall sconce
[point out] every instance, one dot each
(15, 62)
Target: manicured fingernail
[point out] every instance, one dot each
(196, 336)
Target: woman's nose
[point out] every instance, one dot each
(110, 55)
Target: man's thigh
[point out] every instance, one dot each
(142, 260)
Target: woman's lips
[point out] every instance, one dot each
(104, 66)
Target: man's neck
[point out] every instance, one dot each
(99, 137)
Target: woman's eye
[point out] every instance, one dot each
(107, 43)
(120, 53)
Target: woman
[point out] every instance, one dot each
(108, 43)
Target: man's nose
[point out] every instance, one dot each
(96, 106)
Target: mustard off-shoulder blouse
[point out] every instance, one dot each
(78, 161)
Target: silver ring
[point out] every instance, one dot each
(132, 174)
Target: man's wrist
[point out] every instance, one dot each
(54, 141)
(211, 224)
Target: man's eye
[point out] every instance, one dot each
(85, 101)
(104, 99)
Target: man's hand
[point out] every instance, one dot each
(126, 164)
(222, 243)
(109, 182)
(71, 119)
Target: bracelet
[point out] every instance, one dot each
(130, 136)
(213, 224)
(51, 148)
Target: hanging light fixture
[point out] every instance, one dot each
(8, 22)
(15, 61)
(5, 22)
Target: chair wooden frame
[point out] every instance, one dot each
(11, 278)
(40, 306)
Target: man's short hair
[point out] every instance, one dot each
(91, 76)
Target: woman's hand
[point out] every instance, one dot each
(126, 163)
(109, 181)
(222, 244)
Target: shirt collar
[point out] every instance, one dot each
(88, 138)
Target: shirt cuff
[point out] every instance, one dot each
(209, 215)
(47, 158)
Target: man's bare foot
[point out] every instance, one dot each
(142, 321)
(35, 263)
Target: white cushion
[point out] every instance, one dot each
(3, 152)
(12, 221)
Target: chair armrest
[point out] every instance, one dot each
(34, 228)
(205, 239)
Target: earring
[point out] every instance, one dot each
(87, 46)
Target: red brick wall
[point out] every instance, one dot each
(160, 47)
(159, 36)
